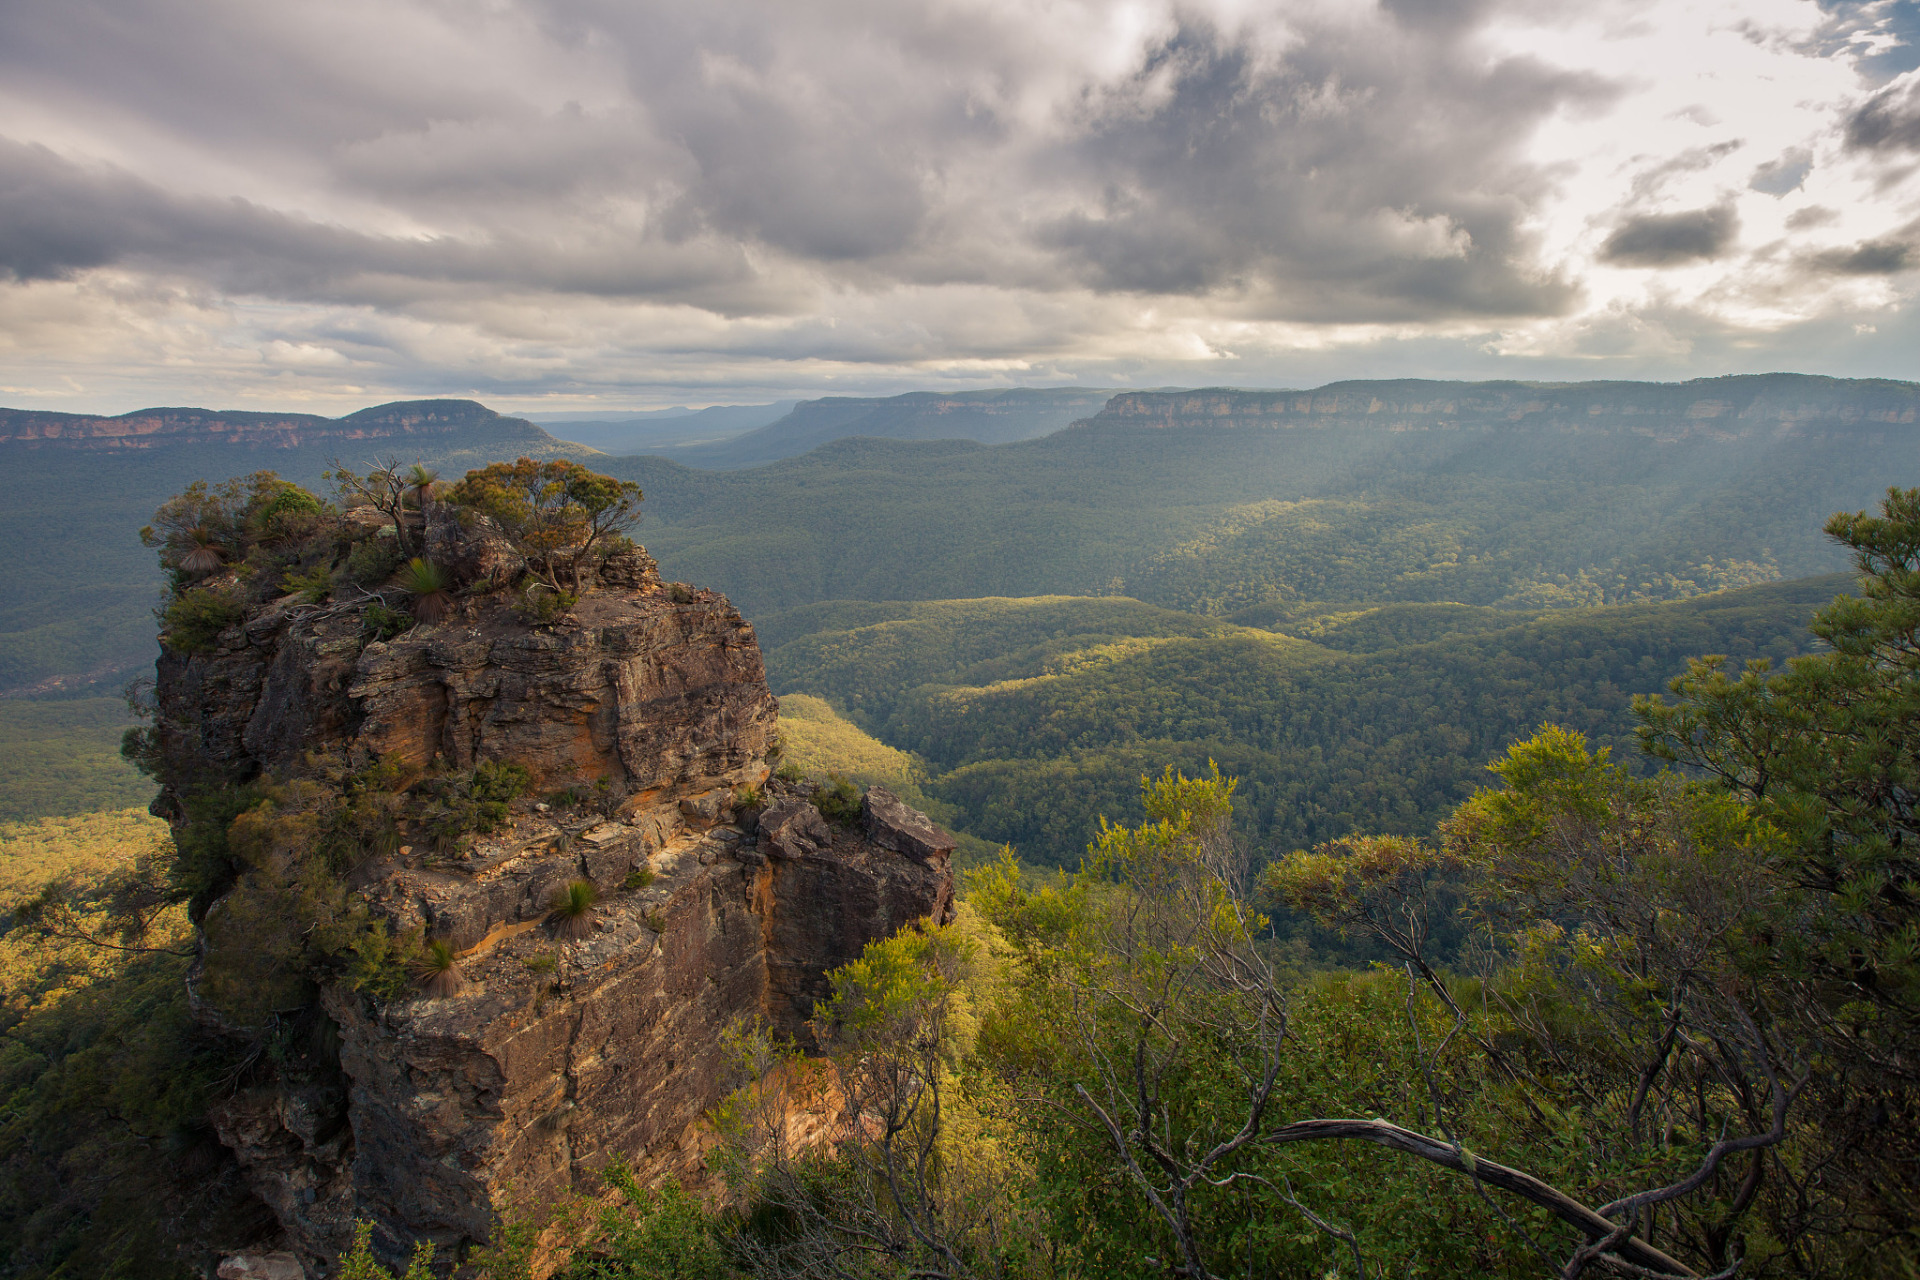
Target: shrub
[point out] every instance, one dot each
(541, 605)
(680, 593)
(192, 621)
(572, 909)
(638, 878)
(748, 798)
(656, 920)
(540, 962)
(373, 560)
(475, 800)
(311, 585)
(283, 512)
(383, 623)
(791, 772)
(839, 800)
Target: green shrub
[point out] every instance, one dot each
(791, 772)
(311, 585)
(192, 621)
(540, 962)
(373, 560)
(359, 1264)
(541, 605)
(472, 801)
(839, 800)
(383, 623)
(286, 511)
(638, 878)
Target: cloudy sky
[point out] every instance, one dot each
(570, 204)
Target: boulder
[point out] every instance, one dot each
(793, 829)
(892, 825)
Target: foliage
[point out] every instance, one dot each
(438, 969)
(638, 878)
(383, 623)
(1028, 747)
(192, 620)
(312, 585)
(662, 1235)
(542, 605)
(556, 514)
(470, 801)
(1827, 752)
(374, 560)
(360, 1264)
(63, 758)
(838, 800)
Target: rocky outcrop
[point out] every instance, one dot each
(647, 706)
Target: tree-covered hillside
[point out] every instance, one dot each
(1035, 717)
(1218, 519)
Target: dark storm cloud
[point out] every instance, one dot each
(58, 218)
(1366, 175)
(1672, 239)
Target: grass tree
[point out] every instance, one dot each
(572, 910)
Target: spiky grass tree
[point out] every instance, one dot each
(422, 483)
(572, 913)
(438, 970)
(201, 554)
(430, 587)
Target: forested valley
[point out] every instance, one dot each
(1440, 853)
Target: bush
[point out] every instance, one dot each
(383, 623)
(638, 878)
(311, 585)
(839, 800)
(541, 605)
(373, 560)
(195, 619)
(475, 800)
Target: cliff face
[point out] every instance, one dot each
(408, 420)
(1765, 406)
(434, 1116)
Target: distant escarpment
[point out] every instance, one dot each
(1764, 405)
(414, 422)
(483, 875)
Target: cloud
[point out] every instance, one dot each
(1889, 120)
(1785, 175)
(1672, 239)
(547, 194)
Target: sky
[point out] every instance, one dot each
(570, 205)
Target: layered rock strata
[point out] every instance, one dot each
(558, 1055)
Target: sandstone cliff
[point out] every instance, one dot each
(644, 717)
(1765, 406)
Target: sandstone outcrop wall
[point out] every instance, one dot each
(558, 1055)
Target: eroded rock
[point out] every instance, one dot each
(556, 1055)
